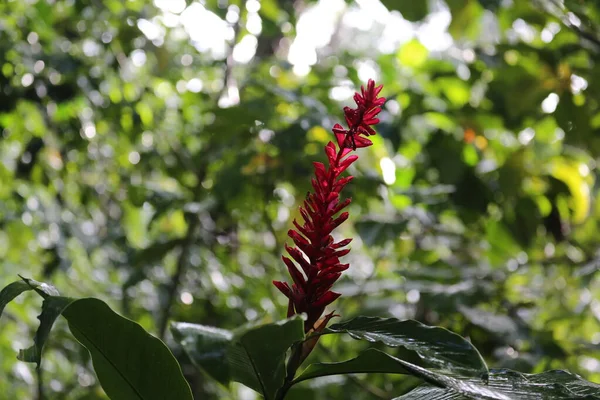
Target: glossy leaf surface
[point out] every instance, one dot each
(512, 385)
(206, 346)
(437, 346)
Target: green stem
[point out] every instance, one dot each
(40, 383)
(292, 367)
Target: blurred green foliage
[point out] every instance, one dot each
(147, 161)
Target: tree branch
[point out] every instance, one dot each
(564, 19)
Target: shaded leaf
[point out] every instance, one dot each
(378, 232)
(369, 361)
(498, 324)
(144, 257)
(156, 251)
(437, 346)
(257, 357)
(252, 355)
(206, 346)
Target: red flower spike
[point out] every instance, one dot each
(316, 254)
(294, 273)
(283, 288)
(342, 243)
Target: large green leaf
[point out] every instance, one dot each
(52, 308)
(437, 346)
(373, 360)
(253, 355)
(507, 384)
(130, 363)
(206, 346)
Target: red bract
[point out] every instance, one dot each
(317, 257)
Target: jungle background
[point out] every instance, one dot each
(154, 155)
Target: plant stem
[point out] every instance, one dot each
(173, 288)
(40, 383)
(293, 365)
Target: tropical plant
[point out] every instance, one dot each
(132, 364)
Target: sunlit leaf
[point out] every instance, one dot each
(412, 54)
(511, 385)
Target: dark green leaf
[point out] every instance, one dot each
(410, 9)
(253, 355)
(437, 346)
(52, 308)
(151, 254)
(501, 325)
(155, 252)
(491, 5)
(257, 357)
(206, 346)
(507, 384)
(130, 363)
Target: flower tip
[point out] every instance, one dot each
(283, 288)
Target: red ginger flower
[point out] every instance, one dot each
(316, 252)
